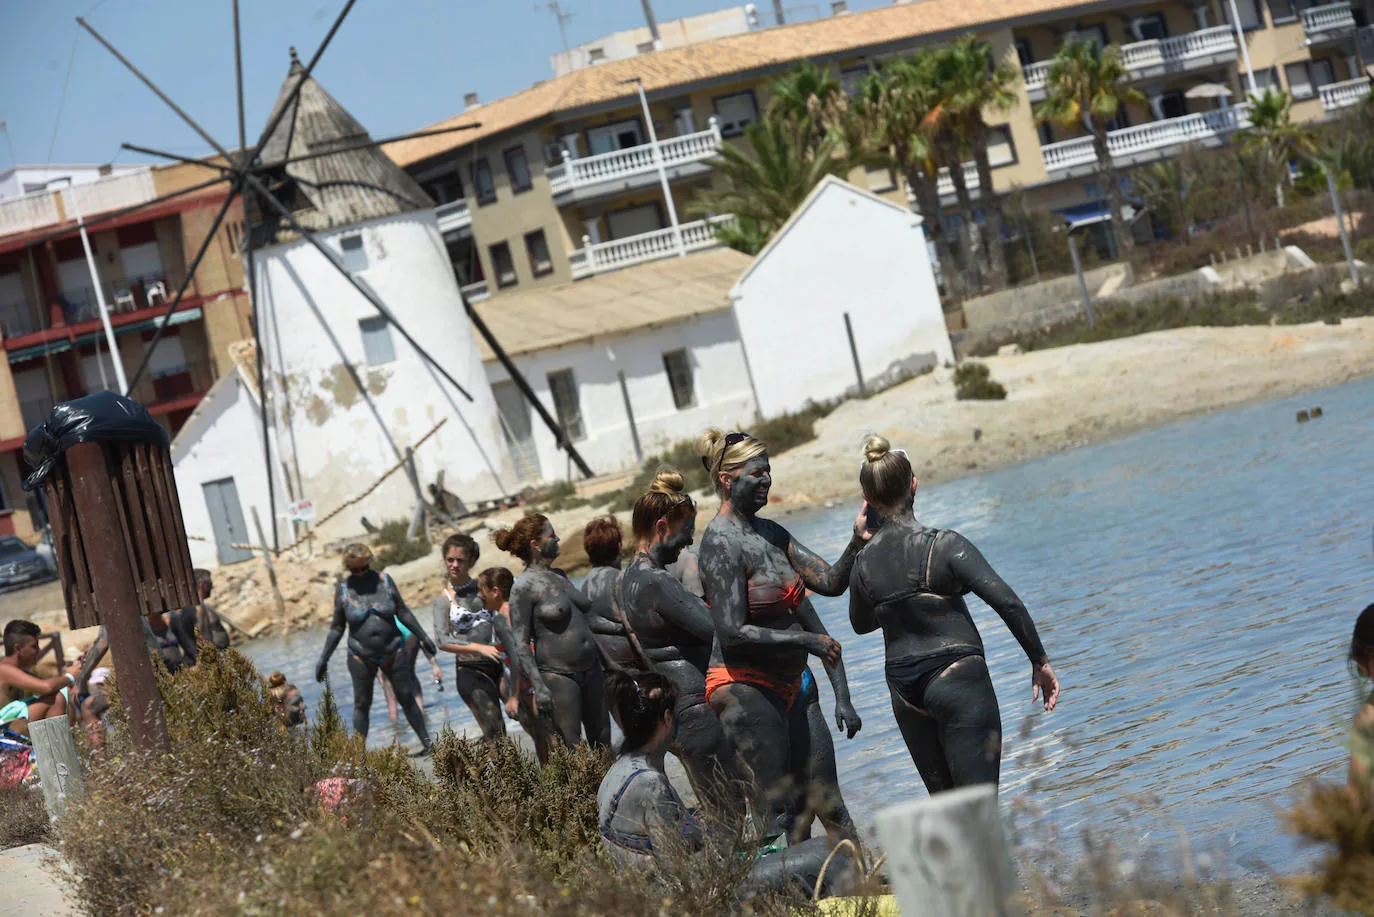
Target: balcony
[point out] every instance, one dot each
(1133, 145)
(176, 388)
(453, 217)
(1336, 96)
(475, 292)
(633, 167)
(1146, 59)
(41, 208)
(17, 318)
(650, 246)
(1324, 23)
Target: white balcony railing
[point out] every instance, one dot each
(1203, 44)
(109, 194)
(1336, 96)
(635, 160)
(649, 246)
(945, 184)
(475, 292)
(1323, 20)
(453, 215)
(1210, 125)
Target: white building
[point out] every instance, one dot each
(671, 34)
(17, 181)
(847, 278)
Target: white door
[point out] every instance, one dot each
(517, 430)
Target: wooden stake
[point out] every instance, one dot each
(59, 768)
(267, 559)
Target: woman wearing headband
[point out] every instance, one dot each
(756, 576)
(911, 581)
(673, 628)
(370, 606)
(548, 611)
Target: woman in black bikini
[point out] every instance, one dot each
(756, 576)
(369, 605)
(546, 609)
(911, 581)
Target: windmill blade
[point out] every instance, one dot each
(206, 163)
(367, 294)
(185, 282)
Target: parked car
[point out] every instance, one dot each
(21, 565)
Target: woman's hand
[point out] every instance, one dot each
(486, 651)
(861, 530)
(1044, 682)
(543, 703)
(438, 672)
(321, 671)
(513, 707)
(826, 647)
(847, 719)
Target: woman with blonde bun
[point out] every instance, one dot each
(673, 628)
(548, 612)
(756, 576)
(911, 581)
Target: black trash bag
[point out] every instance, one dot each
(104, 417)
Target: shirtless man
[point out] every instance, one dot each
(20, 687)
(199, 617)
(756, 576)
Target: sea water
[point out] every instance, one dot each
(1194, 585)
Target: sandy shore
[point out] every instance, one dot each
(1057, 399)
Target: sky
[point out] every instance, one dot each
(397, 65)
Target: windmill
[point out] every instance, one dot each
(277, 167)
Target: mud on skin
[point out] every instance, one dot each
(478, 678)
(599, 588)
(742, 553)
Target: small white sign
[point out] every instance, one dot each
(301, 511)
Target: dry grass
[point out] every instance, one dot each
(23, 818)
(1331, 816)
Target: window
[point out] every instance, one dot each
(644, 47)
(1001, 150)
(1268, 78)
(502, 265)
(354, 253)
(1299, 80)
(1046, 133)
(1172, 105)
(481, 180)
(678, 365)
(1282, 11)
(596, 55)
(634, 221)
(852, 79)
(1023, 52)
(611, 137)
(1093, 33)
(566, 404)
(518, 168)
(880, 178)
(1250, 17)
(445, 189)
(736, 112)
(1323, 74)
(377, 340)
(1150, 28)
(538, 249)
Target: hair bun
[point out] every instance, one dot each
(668, 481)
(876, 447)
(276, 680)
(502, 538)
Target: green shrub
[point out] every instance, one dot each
(392, 548)
(974, 382)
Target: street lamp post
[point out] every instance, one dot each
(1244, 50)
(662, 169)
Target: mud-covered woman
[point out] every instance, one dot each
(474, 634)
(673, 628)
(369, 606)
(547, 610)
(603, 542)
(756, 576)
(911, 581)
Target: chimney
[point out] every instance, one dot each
(470, 100)
(839, 7)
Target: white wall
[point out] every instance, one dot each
(846, 252)
(342, 447)
(12, 182)
(721, 383)
(220, 440)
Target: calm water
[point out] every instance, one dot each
(1195, 586)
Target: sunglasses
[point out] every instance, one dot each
(731, 439)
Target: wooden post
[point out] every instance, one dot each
(267, 559)
(854, 353)
(111, 579)
(59, 768)
(1082, 283)
(949, 855)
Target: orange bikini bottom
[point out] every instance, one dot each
(784, 689)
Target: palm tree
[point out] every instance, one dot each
(888, 118)
(768, 181)
(1272, 134)
(972, 84)
(809, 98)
(1087, 86)
(1165, 186)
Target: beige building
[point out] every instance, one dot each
(559, 182)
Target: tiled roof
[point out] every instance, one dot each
(721, 57)
(636, 298)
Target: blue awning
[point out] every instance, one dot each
(1086, 214)
(90, 337)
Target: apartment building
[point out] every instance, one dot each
(559, 181)
(51, 335)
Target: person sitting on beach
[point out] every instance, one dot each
(1362, 729)
(911, 580)
(24, 697)
(642, 817)
(94, 705)
(286, 699)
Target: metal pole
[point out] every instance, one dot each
(112, 579)
(1082, 284)
(662, 169)
(100, 300)
(1244, 49)
(854, 352)
(630, 415)
(653, 24)
(1340, 223)
(271, 570)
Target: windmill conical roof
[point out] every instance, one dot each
(326, 192)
